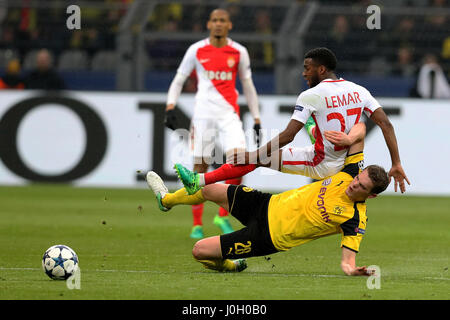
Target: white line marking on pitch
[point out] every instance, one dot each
(160, 272)
(259, 274)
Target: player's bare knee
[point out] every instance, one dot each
(208, 192)
(198, 251)
(216, 193)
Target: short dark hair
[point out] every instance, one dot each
(379, 178)
(220, 9)
(323, 56)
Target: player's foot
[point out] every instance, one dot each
(223, 223)
(189, 179)
(155, 183)
(241, 264)
(309, 126)
(197, 232)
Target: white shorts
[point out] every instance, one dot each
(207, 132)
(306, 162)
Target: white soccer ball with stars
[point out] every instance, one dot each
(60, 262)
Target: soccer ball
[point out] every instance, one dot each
(60, 262)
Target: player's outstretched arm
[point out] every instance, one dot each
(285, 137)
(348, 264)
(262, 155)
(381, 119)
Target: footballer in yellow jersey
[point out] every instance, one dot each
(319, 209)
(275, 223)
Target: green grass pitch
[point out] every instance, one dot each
(128, 249)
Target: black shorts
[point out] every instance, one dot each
(250, 207)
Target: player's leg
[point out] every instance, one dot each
(202, 137)
(197, 209)
(233, 141)
(158, 187)
(288, 160)
(208, 252)
(168, 200)
(232, 138)
(217, 193)
(221, 220)
(194, 181)
(307, 162)
(250, 207)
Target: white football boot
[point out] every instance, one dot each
(158, 187)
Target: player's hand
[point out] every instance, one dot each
(257, 134)
(399, 177)
(170, 120)
(338, 138)
(362, 271)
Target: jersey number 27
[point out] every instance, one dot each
(340, 117)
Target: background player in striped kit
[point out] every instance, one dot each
(218, 61)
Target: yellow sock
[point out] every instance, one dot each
(219, 264)
(182, 197)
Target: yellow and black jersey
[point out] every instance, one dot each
(319, 209)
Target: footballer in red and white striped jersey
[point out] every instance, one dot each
(335, 105)
(218, 61)
(216, 70)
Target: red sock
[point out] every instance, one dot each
(236, 181)
(228, 171)
(197, 212)
(222, 211)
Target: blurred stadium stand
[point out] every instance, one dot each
(137, 45)
(73, 60)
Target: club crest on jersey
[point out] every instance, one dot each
(338, 210)
(326, 182)
(231, 62)
(361, 165)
